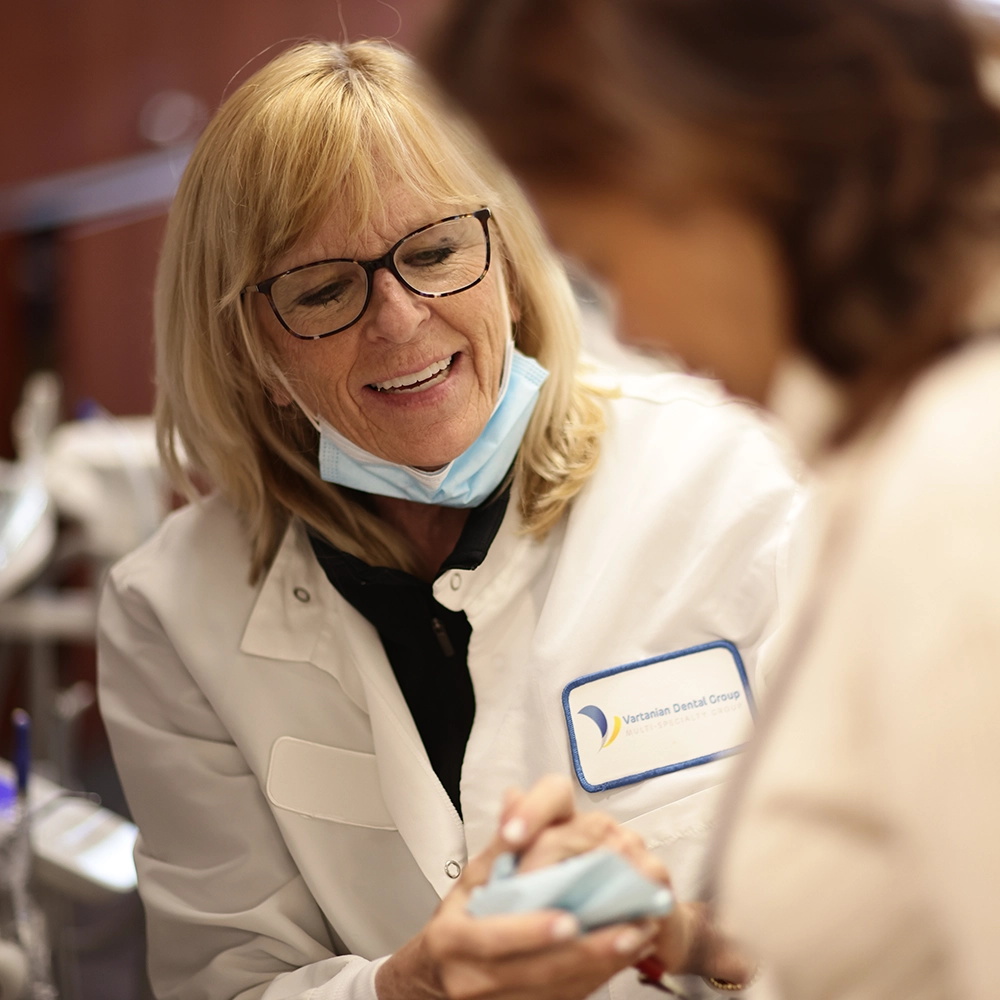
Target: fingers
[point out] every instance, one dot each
(696, 945)
(574, 968)
(543, 827)
(455, 933)
(511, 797)
(550, 800)
(631, 846)
(536, 956)
(583, 832)
(523, 816)
(478, 869)
(588, 831)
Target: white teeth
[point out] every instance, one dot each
(409, 381)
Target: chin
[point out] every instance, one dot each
(430, 463)
(434, 458)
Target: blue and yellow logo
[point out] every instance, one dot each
(593, 712)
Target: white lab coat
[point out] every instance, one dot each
(287, 808)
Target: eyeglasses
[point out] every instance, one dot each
(323, 298)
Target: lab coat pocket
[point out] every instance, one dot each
(327, 783)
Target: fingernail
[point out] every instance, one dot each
(650, 949)
(565, 927)
(514, 831)
(630, 939)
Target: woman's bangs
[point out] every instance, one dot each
(351, 169)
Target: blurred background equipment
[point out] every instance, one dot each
(100, 477)
(105, 98)
(27, 518)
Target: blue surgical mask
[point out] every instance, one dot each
(598, 887)
(466, 481)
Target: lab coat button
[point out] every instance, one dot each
(301, 594)
(453, 869)
(456, 581)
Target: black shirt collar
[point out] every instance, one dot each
(473, 544)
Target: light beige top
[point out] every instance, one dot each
(864, 861)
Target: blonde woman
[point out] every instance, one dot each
(427, 536)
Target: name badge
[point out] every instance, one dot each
(639, 720)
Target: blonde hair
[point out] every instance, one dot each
(325, 123)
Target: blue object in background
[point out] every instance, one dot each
(8, 799)
(22, 748)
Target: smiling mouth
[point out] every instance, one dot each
(430, 376)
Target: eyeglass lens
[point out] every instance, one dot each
(323, 298)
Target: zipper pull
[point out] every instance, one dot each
(442, 637)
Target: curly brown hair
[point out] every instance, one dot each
(857, 130)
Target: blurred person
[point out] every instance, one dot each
(320, 680)
(802, 198)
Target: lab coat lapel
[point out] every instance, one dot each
(300, 616)
(420, 806)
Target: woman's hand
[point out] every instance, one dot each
(543, 954)
(687, 940)
(696, 946)
(530, 956)
(571, 834)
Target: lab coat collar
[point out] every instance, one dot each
(505, 565)
(288, 618)
(300, 616)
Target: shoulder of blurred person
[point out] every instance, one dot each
(925, 455)
(888, 730)
(930, 464)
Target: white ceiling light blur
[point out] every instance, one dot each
(170, 116)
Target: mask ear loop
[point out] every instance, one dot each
(508, 365)
(508, 356)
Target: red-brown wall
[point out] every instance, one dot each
(74, 77)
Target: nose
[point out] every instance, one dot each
(394, 312)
